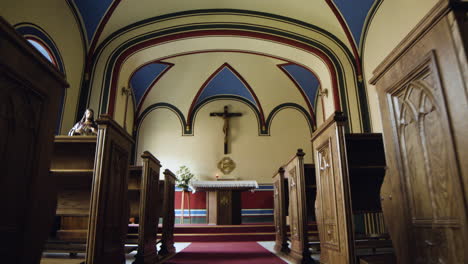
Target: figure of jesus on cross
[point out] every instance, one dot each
(225, 116)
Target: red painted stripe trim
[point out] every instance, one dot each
(348, 35)
(259, 105)
(98, 33)
(309, 105)
(122, 57)
(147, 91)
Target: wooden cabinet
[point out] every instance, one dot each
(423, 98)
(224, 207)
(31, 90)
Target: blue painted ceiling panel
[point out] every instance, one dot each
(144, 77)
(355, 14)
(92, 11)
(225, 82)
(306, 80)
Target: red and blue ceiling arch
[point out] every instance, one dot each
(144, 78)
(153, 38)
(226, 83)
(93, 15)
(354, 17)
(355, 14)
(305, 80)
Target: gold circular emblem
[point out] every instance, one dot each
(226, 165)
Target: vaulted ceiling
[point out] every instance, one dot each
(308, 44)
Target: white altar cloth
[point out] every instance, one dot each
(224, 185)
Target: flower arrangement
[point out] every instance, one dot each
(184, 176)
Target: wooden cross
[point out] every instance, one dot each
(225, 116)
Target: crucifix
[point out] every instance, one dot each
(225, 116)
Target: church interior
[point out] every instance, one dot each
(150, 131)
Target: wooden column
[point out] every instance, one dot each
(149, 210)
(281, 242)
(108, 220)
(30, 94)
(334, 212)
(167, 240)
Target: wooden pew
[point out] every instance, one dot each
(31, 90)
(167, 200)
(350, 169)
(287, 204)
(280, 211)
(72, 167)
(143, 199)
(104, 195)
(294, 173)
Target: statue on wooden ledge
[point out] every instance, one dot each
(86, 126)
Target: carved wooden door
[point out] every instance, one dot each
(334, 214)
(426, 165)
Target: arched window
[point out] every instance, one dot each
(43, 49)
(43, 42)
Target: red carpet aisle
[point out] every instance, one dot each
(225, 253)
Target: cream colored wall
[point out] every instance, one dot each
(56, 18)
(392, 22)
(256, 157)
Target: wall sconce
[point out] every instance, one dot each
(126, 91)
(323, 92)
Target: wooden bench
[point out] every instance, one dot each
(280, 211)
(159, 204)
(92, 179)
(293, 196)
(143, 194)
(167, 187)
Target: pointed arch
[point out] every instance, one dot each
(246, 85)
(261, 125)
(299, 108)
(140, 98)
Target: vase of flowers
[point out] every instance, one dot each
(184, 176)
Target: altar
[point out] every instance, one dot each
(223, 201)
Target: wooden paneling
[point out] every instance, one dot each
(108, 217)
(168, 213)
(149, 210)
(423, 97)
(294, 173)
(280, 203)
(334, 212)
(31, 89)
(223, 207)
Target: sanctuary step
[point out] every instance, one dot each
(219, 233)
(216, 233)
